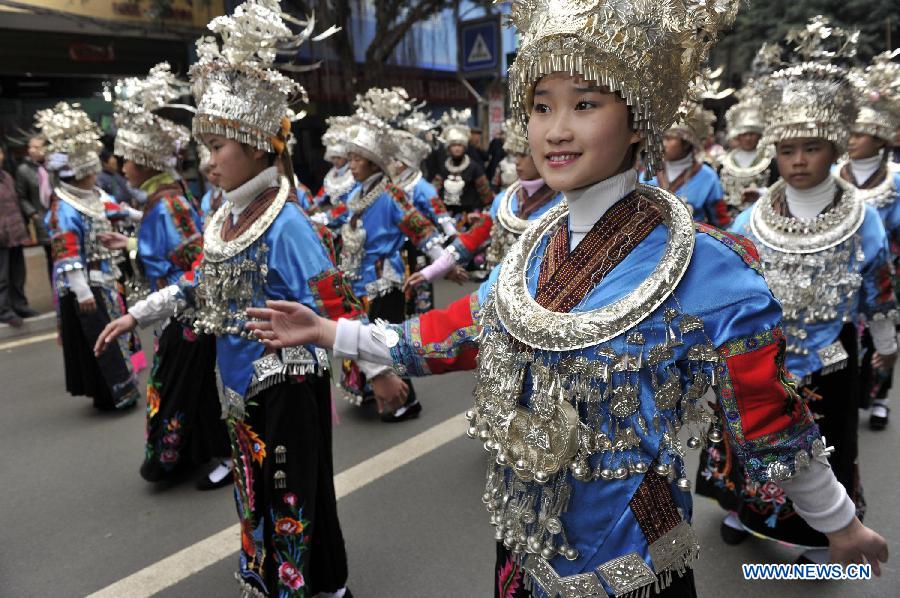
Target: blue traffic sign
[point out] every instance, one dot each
(480, 46)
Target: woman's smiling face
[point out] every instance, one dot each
(579, 133)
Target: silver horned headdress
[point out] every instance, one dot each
(73, 140)
(813, 96)
(455, 126)
(879, 99)
(516, 139)
(648, 51)
(371, 134)
(695, 123)
(335, 137)
(239, 92)
(410, 147)
(144, 137)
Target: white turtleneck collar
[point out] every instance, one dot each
(866, 167)
(370, 182)
(809, 203)
(242, 196)
(745, 158)
(588, 204)
(676, 167)
(85, 194)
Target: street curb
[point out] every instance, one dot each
(42, 323)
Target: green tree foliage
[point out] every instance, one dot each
(770, 20)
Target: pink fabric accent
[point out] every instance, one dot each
(440, 267)
(532, 186)
(139, 361)
(44, 188)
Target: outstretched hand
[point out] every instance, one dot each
(113, 240)
(857, 543)
(390, 391)
(114, 330)
(458, 275)
(414, 280)
(288, 324)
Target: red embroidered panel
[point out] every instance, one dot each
(438, 325)
(478, 233)
(65, 245)
(438, 206)
(334, 297)
(762, 399)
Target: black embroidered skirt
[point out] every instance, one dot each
(108, 378)
(184, 417)
(291, 541)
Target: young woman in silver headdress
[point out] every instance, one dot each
(84, 271)
(825, 256)
(260, 246)
(877, 181)
(184, 427)
(605, 325)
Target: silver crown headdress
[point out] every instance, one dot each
(813, 96)
(646, 50)
(695, 123)
(335, 137)
(371, 134)
(410, 148)
(879, 99)
(455, 126)
(144, 137)
(516, 139)
(239, 93)
(73, 137)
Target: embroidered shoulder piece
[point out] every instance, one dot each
(333, 296)
(742, 246)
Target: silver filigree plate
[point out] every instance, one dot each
(217, 250)
(540, 328)
(797, 235)
(505, 215)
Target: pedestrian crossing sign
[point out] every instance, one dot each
(480, 46)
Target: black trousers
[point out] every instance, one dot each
(291, 540)
(509, 580)
(12, 281)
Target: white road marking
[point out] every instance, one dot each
(27, 341)
(188, 561)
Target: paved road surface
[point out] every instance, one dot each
(75, 517)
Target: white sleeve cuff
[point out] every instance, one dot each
(819, 498)
(78, 284)
(354, 340)
(371, 370)
(346, 339)
(884, 336)
(449, 227)
(158, 306)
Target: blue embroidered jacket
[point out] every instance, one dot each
(703, 192)
(629, 525)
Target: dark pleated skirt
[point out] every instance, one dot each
(184, 422)
(109, 378)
